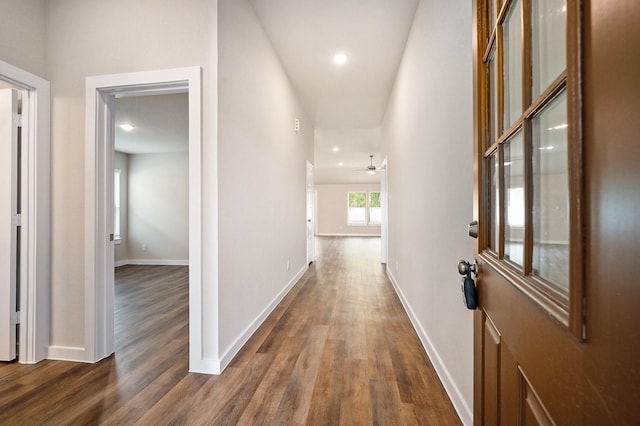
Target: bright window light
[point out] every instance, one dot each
(126, 127)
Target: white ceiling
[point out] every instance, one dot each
(346, 102)
(160, 124)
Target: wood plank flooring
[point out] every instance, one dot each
(338, 350)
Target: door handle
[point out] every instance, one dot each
(466, 268)
(468, 287)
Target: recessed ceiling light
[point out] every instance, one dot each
(340, 58)
(126, 127)
(335, 149)
(340, 164)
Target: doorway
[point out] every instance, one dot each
(25, 278)
(311, 236)
(102, 92)
(151, 219)
(10, 229)
(384, 200)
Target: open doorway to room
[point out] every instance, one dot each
(103, 95)
(151, 225)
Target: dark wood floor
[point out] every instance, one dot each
(339, 349)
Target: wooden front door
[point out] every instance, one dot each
(557, 197)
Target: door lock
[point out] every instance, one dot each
(472, 229)
(468, 287)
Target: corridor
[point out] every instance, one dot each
(339, 349)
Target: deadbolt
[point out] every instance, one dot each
(473, 229)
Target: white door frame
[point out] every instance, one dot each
(311, 218)
(9, 223)
(35, 269)
(384, 198)
(101, 92)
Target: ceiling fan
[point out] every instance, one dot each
(370, 168)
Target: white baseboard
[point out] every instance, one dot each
(159, 262)
(68, 353)
(462, 408)
(204, 366)
(230, 353)
(348, 235)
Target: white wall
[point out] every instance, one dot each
(427, 137)
(331, 210)
(262, 173)
(121, 251)
(94, 38)
(23, 34)
(257, 110)
(158, 214)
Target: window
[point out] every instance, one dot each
(116, 204)
(375, 213)
(357, 209)
(363, 208)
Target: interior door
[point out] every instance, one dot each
(556, 99)
(8, 222)
(310, 214)
(384, 199)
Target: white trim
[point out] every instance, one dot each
(457, 399)
(158, 262)
(68, 353)
(205, 366)
(384, 223)
(348, 235)
(100, 94)
(310, 204)
(36, 228)
(230, 353)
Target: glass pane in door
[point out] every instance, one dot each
(551, 194)
(549, 39)
(494, 207)
(514, 199)
(512, 34)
